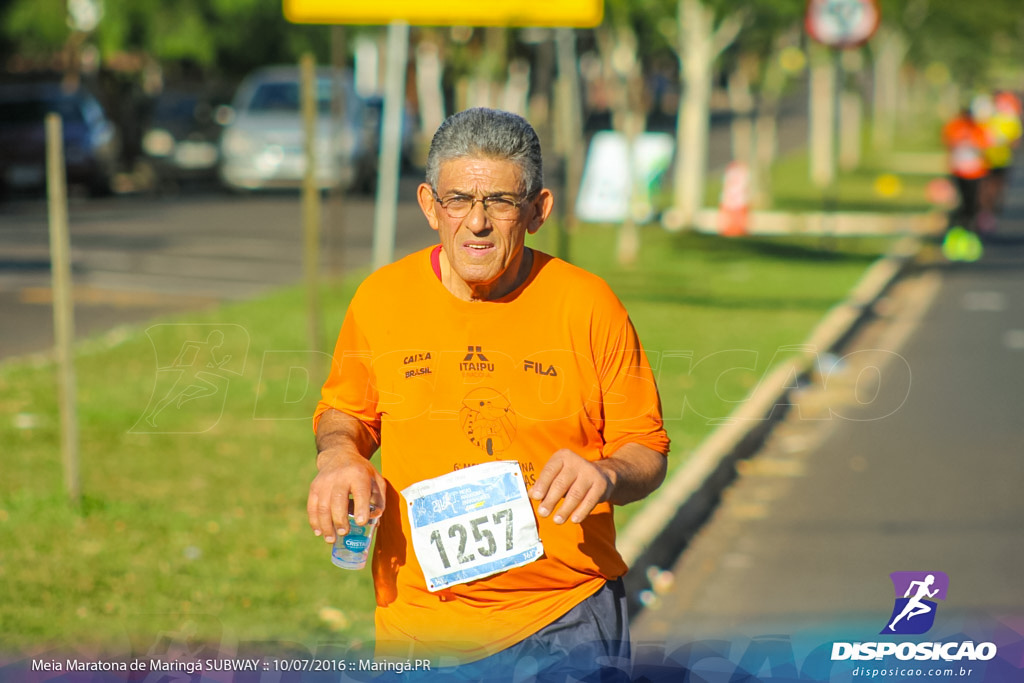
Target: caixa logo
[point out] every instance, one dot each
(913, 613)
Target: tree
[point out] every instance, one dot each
(230, 36)
(35, 28)
(972, 41)
(617, 43)
(701, 38)
(763, 58)
(626, 37)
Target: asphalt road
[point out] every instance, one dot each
(909, 458)
(135, 257)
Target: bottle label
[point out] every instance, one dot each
(356, 540)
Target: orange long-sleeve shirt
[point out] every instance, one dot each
(444, 384)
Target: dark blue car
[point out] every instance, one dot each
(91, 142)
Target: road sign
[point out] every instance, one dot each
(85, 15)
(581, 13)
(841, 23)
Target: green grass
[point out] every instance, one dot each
(856, 189)
(199, 523)
(856, 192)
(208, 526)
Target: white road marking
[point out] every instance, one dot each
(987, 301)
(1014, 340)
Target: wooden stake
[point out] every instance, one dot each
(63, 306)
(311, 208)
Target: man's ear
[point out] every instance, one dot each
(542, 204)
(425, 198)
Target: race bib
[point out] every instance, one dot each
(966, 159)
(472, 523)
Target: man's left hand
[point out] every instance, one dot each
(581, 483)
(628, 475)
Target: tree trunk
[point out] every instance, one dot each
(540, 107)
(618, 53)
(822, 119)
(700, 43)
(483, 87)
(696, 57)
(851, 111)
(741, 101)
(851, 107)
(891, 49)
(429, 91)
(569, 142)
(766, 127)
(517, 87)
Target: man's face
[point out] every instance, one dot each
(484, 253)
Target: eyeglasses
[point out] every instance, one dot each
(498, 207)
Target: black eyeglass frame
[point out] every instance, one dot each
(483, 200)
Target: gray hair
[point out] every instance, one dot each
(489, 134)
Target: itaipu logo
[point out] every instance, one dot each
(916, 593)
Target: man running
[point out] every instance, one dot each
(459, 362)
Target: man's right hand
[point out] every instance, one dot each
(344, 481)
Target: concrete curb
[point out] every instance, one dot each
(656, 535)
(835, 224)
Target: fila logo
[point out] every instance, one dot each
(474, 351)
(539, 368)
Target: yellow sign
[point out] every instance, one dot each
(578, 13)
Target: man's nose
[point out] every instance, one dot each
(476, 220)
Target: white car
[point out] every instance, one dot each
(263, 143)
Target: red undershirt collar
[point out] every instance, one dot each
(435, 261)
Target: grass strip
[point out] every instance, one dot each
(194, 514)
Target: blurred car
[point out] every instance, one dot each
(181, 138)
(263, 144)
(91, 142)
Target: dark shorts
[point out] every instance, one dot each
(999, 172)
(590, 642)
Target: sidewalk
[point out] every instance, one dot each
(907, 459)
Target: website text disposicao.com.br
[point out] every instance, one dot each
(870, 672)
(946, 655)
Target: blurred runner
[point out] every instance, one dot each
(965, 141)
(1000, 118)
